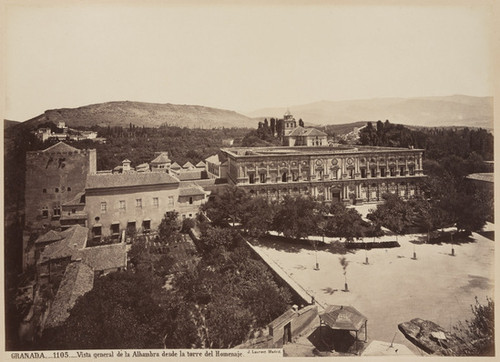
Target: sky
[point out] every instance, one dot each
(239, 57)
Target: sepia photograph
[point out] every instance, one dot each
(192, 179)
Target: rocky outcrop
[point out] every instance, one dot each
(431, 338)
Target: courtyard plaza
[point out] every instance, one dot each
(393, 287)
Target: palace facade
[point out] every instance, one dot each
(351, 174)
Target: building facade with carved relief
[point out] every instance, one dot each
(351, 174)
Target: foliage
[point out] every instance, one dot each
(216, 238)
(168, 230)
(227, 206)
(344, 222)
(395, 214)
(296, 217)
(437, 142)
(228, 295)
(119, 312)
(257, 216)
(265, 134)
(187, 224)
(479, 332)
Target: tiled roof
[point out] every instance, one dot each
(343, 317)
(189, 175)
(188, 165)
(191, 189)
(175, 166)
(74, 238)
(301, 131)
(486, 177)
(78, 280)
(162, 158)
(142, 167)
(128, 179)
(213, 159)
(201, 164)
(61, 147)
(104, 257)
(315, 132)
(49, 237)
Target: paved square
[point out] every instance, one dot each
(394, 288)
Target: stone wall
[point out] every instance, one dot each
(53, 178)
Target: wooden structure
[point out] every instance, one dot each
(346, 318)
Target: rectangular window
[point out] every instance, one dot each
(156, 202)
(115, 228)
(402, 171)
(138, 203)
(373, 172)
(97, 231)
(57, 211)
(382, 171)
(411, 170)
(146, 225)
(45, 212)
(171, 201)
(363, 173)
(251, 178)
(263, 178)
(103, 207)
(393, 171)
(122, 204)
(295, 176)
(351, 173)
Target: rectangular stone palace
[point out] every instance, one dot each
(351, 174)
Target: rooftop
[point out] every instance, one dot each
(485, 177)
(48, 237)
(343, 317)
(73, 239)
(104, 257)
(161, 159)
(78, 279)
(185, 175)
(301, 131)
(190, 189)
(188, 165)
(104, 181)
(306, 150)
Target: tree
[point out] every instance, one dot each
(216, 237)
(344, 222)
(478, 333)
(124, 315)
(257, 216)
(344, 264)
(395, 214)
(168, 230)
(296, 217)
(273, 127)
(301, 123)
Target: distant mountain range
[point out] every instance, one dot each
(447, 111)
(143, 114)
(457, 110)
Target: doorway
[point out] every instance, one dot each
(287, 333)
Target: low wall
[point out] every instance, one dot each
(299, 295)
(299, 321)
(372, 245)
